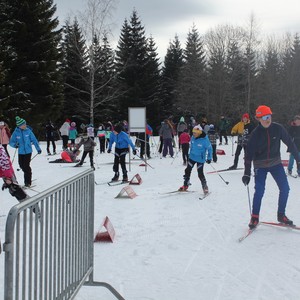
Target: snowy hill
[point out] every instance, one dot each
(175, 246)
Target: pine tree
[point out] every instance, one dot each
(132, 62)
(75, 72)
(192, 80)
(106, 90)
(173, 63)
(30, 38)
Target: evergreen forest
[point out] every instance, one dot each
(53, 71)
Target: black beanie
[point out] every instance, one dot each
(118, 128)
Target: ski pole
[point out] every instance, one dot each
(14, 156)
(249, 201)
(219, 174)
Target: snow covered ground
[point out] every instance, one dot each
(175, 246)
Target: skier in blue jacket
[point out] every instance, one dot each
(200, 152)
(23, 138)
(122, 142)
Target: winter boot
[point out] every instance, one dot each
(253, 221)
(233, 167)
(116, 177)
(125, 178)
(282, 218)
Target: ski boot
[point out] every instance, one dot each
(253, 221)
(116, 177)
(78, 165)
(233, 167)
(125, 178)
(205, 190)
(183, 188)
(282, 218)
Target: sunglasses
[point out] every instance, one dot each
(266, 117)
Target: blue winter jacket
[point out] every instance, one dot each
(122, 141)
(23, 140)
(201, 149)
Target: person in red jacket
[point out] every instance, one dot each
(184, 141)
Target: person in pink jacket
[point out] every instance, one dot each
(8, 175)
(184, 141)
(4, 135)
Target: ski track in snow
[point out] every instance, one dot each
(176, 246)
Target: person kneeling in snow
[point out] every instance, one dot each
(8, 175)
(201, 152)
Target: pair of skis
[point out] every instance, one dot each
(250, 231)
(187, 191)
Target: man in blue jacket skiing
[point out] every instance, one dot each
(23, 138)
(263, 148)
(122, 142)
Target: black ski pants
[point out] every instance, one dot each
(24, 163)
(120, 155)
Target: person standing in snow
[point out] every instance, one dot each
(201, 152)
(23, 138)
(72, 135)
(90, 131)
(64, 132)
(263, 148)
(122, 143)
(294, 132)
(101, 136)
(223, 126)
(212, 136)
(181, 127)
(184, 143)
(4, 135)
(167, 133)
(242, 129)
(145, 144)
(50, 129)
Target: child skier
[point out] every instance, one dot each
(8, 175)
(88, 148)
(122, 141)
(23, 138)
(201, 152)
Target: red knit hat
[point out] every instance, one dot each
(263, 110)
(246, 115)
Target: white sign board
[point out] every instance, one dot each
(137, 119)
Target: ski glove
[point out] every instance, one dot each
(134, 152)
(109, 150)
(246, 179)
(40, 151)
(208, 161)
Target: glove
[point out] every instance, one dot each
(134, 152)
(208, 161)
(246, 179)
(17, 146)
(40, 151)
(109, 150)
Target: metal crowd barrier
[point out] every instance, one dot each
(49, 243)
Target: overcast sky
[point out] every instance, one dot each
(165, 18)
